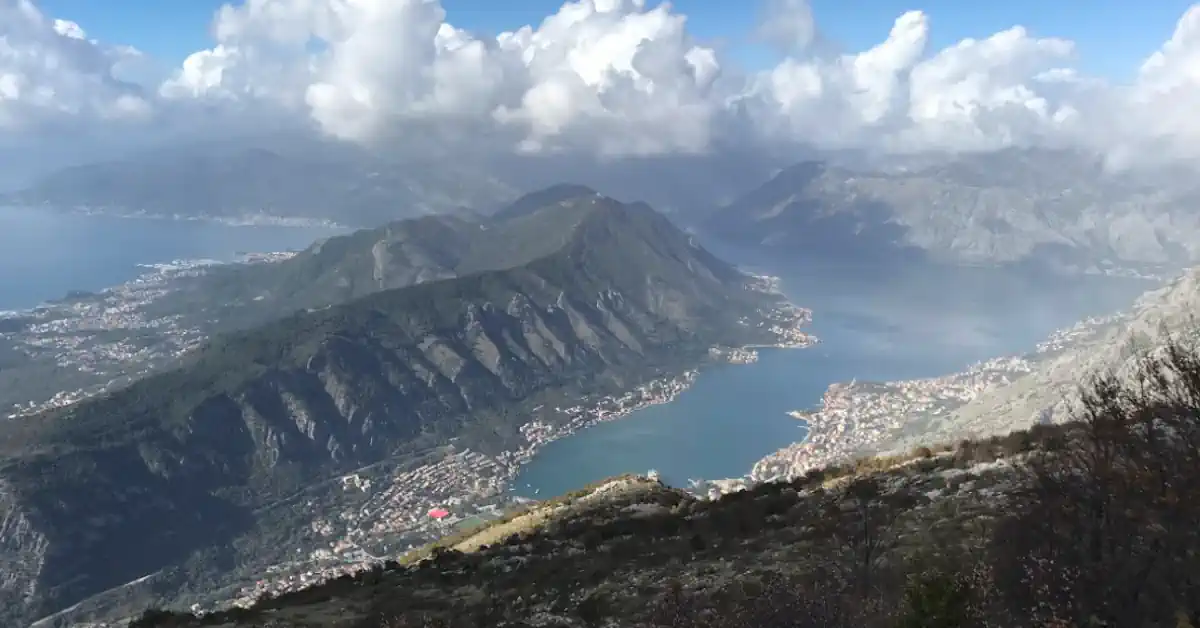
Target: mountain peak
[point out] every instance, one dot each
(540, 199)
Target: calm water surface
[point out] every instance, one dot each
(919, 323)
(44, 255)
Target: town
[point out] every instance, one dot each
(92, 334)
(462, 490)
(101, 341)
(467, 488)
(855, 417)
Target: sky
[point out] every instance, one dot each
(615, 78)
(1112, 38)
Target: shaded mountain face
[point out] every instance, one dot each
(1048, 207)
(318, 180)
(238, 296)
(216, 469)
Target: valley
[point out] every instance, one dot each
(350, 522)
(255, 445)
(1054, 210)
(361, 339)
(599, 314)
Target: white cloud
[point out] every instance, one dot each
(1157, 115)
(608, 77)
(50, 73)
(609, 74)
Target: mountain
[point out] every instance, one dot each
(318, 180)
(398, 254)
(534, 201)
(90, 342)
(203, 476)
(331, 271)
(39, 360)
(1057, 208)
(1049, 392)
(1090, 523)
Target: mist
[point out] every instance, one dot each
(932, 319)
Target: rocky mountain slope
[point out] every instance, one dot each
(1050, 391)
(201, 476)
(1050, 207)
(398, 254)
(88, 341)
(1031, 529)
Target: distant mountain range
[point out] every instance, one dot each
(1050, 208)
(296, 176)
(193, 478)
(315, 180)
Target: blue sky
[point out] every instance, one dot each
(1113, 36)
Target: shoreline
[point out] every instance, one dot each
(471, 484)
(243, 220)
(156, 278)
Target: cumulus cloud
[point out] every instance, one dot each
(610, 74)
(50, 72)
(1156, 116)
(610, 78)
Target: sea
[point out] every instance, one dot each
(919, 321)
(908, 322)
(44, 255)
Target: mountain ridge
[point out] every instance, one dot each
(208, 451)
(313, 179)
(1054, 209)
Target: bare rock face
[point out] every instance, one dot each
(1046, 206)
(22, 552)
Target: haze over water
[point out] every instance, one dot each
(923, 322)
(44, 255)
(918, 323)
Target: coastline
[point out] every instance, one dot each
(391, 509)
(243, 220)
(789, 320)
(155, 282)
(472, 485)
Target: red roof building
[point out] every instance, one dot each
(439, 513)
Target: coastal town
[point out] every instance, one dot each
(467, 488)
(463, 489)
(396, 513)
(862, 418)
(100, 341)
(857, 417)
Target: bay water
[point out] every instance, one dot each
(905, 323)
(44, 254)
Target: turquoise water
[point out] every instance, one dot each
(921, 323)
(44, 255)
